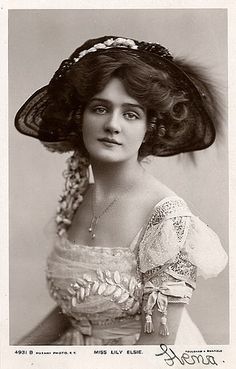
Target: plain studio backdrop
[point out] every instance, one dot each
(38, 41)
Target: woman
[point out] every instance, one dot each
(128, 249)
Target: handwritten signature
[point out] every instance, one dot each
(170, 357)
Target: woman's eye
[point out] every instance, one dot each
(131, 116)
(99, 109)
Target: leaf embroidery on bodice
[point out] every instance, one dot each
(123, 290)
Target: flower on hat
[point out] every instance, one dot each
(110, 42)
(100, 46)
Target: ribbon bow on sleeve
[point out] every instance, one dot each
(159, 295)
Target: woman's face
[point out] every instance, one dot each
(114, 124)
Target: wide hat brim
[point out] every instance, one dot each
(29, 120)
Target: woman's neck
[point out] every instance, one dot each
(114, 178)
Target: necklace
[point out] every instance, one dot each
(95, 218)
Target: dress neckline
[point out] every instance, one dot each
(133, 243)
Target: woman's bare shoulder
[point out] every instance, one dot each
(155, 189)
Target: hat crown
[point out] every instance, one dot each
(107, 42)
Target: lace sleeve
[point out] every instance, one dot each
(204, 249)
(175, 247)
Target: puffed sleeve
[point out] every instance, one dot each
(204, 249)
(175, 247)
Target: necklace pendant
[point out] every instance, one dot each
(92, 227)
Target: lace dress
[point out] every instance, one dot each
(104, 290)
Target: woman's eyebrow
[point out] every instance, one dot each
(99, 100)
(130, 105)
(126, 105)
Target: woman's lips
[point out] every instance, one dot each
(109, 141)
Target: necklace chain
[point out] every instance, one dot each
(95, 218)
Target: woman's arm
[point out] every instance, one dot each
(175, 311)
(47, 331)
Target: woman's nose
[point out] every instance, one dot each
(112, 123)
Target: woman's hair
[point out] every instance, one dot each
(153, 88)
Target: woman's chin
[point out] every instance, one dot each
(111, 155)
(107, 158)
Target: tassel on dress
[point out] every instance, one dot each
(148, 327)
(163, 328)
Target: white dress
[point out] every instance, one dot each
(103, 290)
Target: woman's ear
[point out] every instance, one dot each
(144, 138)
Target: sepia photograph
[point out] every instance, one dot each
(138, 115)
(119, 181)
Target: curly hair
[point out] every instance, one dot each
(153, 88)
